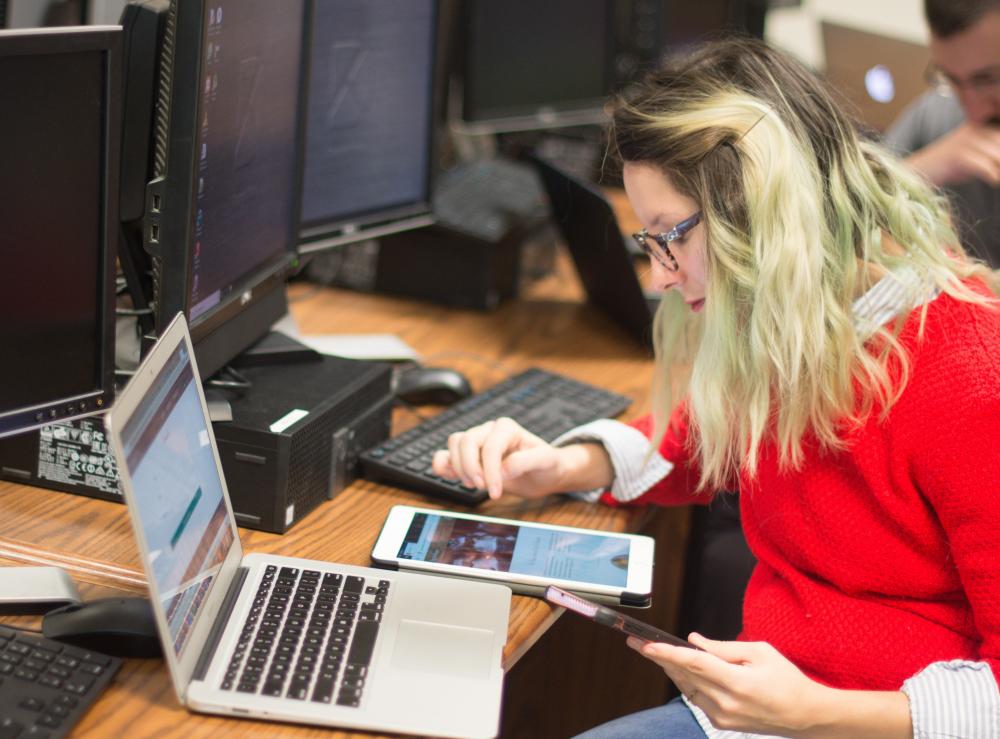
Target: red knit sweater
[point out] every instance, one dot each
(879, 560)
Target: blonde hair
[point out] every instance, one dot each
(796, 207)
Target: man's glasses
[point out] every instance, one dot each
(663, 239)
(984, 82)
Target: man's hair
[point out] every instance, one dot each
(798, 212)
(948, 17)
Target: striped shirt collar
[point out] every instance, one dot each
(897, 293)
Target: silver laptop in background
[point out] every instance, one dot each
(282, 638)
(879, 75)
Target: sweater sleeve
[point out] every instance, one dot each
(663, 476)
(955, 463)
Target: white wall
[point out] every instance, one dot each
(797, 29)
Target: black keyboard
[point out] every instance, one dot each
(45, 686)
(545, 403)
(309, 635)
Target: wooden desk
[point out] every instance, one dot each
(548, 327)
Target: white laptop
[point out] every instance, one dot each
(283, 638)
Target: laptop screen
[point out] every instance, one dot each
(177, 488)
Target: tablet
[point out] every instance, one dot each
(601, 565)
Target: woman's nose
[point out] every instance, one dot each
(662, 278)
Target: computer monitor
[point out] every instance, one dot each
(59, 148)
(528, 65)
(221, 216)
(144, 25)
(525, 64)
(369, 121)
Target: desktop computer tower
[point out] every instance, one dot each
(442, 265)
(296, 435)
(492, 235)
(294, 442)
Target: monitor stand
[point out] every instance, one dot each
(276, 348)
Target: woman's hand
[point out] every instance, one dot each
(503, 457)
(750, 686)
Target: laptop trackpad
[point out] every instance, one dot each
(441, 648)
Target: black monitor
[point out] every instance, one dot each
(369, 122)
(221, 217)
(527, 65)
(144, 24)
(59, 148)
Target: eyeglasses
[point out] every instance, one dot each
(664, 239)
(984, 82)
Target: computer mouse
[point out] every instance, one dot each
(431, 386)
(121, 627)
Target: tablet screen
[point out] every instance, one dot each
(518, 549)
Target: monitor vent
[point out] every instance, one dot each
(161, 121)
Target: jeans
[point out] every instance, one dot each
(672, 721)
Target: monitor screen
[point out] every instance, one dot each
(228, 209)
(58, 203)
(369, 119)
(533, 64)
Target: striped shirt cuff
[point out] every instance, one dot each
(712, 733)
(952, 699)
(636, 470)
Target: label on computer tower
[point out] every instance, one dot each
(77, 453)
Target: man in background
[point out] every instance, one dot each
(951, 135)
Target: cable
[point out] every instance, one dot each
(238, 383)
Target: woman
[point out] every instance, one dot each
(842, 358)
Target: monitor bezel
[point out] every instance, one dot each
(247, 313)
(108, 41)
(325, 233)
(470, 120)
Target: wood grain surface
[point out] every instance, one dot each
(547, 326)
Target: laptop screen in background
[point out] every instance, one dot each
(877, 75)
(178, 493)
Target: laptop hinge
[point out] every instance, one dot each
(212, 643)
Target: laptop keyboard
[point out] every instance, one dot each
(309, 636)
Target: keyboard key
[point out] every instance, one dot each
(39, 670)
(10, 728)
(363, 643)
(353, 585)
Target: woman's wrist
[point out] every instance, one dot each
(857, 714)
(584, 466)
